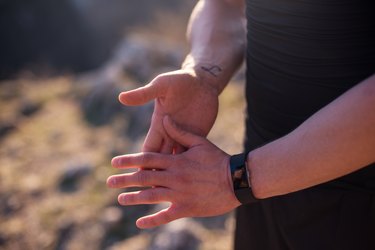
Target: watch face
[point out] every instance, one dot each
(239, 178)
(239, 171)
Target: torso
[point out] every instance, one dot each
(301, 55)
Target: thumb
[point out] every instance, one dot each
(179, 135)
(141, 95)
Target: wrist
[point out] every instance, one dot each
(209, 73)
(257, 166)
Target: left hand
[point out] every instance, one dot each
(197, 182)
(189, 96)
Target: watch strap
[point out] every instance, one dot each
(240, 179)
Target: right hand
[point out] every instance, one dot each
(189, 99)
(186, 180)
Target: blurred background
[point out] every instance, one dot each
(62, 65)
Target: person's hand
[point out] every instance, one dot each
(197, 183)
(189, 99)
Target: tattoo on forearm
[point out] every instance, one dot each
(213, 70)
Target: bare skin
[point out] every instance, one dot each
(337, 140)
(216, 34)
(195, 182)
(182, 95)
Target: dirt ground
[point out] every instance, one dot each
(55, 158)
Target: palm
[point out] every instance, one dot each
(183, 96)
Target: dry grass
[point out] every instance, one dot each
(46, 135)
(43, 146)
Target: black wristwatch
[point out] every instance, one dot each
(240, 179)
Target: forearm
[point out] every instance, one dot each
(337, 140)
(216, 34)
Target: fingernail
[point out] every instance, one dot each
(112, 182)
(140, 223)
(115, 161)
(122, 199)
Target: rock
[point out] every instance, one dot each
(29, 108)
(100, 104)
(9, 204)
(139, 121)
(119, 223)
(142, 58)
(41, 33)
(3, 240)
(213, 222)
(112, 215)
(177, 235)
(64, 233)
(138, 59)
(70, 179)
(137, 242)
(6, 128)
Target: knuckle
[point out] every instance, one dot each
(179, 179)
(146, 158)
(167, 217)
(171, 215)
(152, 195)
(116, 161)
(130, 198)
(153, 221)
(159, 79)
(179, 160)
(142, 159)
(117, 181)
(141, 178)
(127, 199)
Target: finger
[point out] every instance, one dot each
(153, 141)
(139, 96)
(179, 135)
(147, 196)
(146, 159)
(162, 217)
(167, 146)
(178, 149)
(143, 94)
(142, 178)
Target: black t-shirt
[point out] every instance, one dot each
(301, 55)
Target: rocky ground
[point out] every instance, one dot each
(57, 136)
